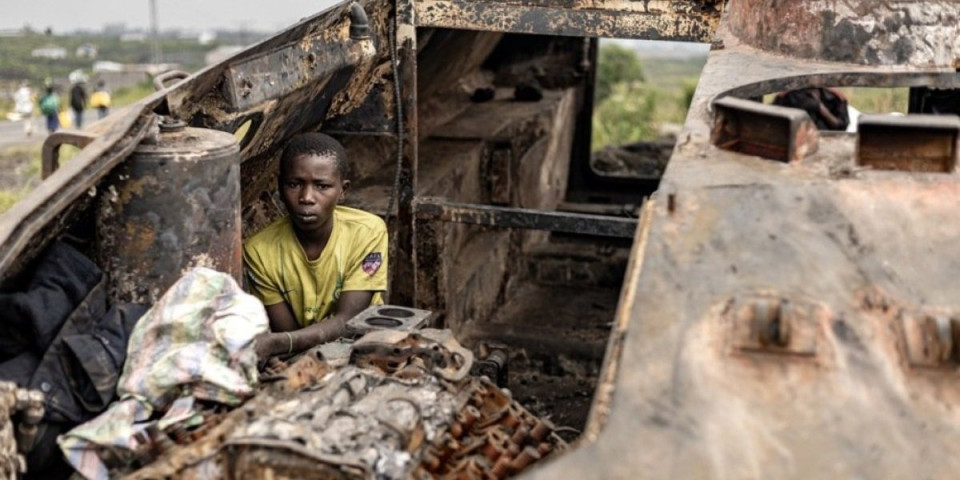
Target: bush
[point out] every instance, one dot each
(626, 115)
(615, 65)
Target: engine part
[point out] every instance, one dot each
(492, 364)
(400, 409)
(388, 317)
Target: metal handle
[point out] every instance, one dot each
(50, 157)
(159, 80)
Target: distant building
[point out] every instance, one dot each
(87, 50)
(50, 51)
(221, 53)
(206, 38)
(114, 29)
(133, 37)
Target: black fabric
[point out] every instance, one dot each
(79, 372)
(45, 461)
(19, 369)
(93, 362)
(78, 367)
(807, 99)
(32, 316)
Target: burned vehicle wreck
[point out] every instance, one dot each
(779, 304)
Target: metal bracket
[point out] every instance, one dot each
(912, 143)
(389, 317)
(775, 324)
(931, 340)
(50, 157)
(769, 131)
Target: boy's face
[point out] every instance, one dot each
(311, 188)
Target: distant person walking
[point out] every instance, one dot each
(50, 108)
(78, 102)
(100, 99)
(23, 107)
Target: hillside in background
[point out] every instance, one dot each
(642, 106)
(17, 62)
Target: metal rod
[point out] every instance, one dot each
(429, 208)
(404, 261)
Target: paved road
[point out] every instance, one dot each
(11, 133)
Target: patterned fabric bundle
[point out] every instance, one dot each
(196, 341)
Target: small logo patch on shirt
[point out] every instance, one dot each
(372, 263)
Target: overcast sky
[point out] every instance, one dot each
(66, 15)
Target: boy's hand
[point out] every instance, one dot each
(265, 345)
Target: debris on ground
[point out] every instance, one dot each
(402, 406)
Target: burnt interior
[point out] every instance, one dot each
(504, 119)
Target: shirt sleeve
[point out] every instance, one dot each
(367, 266)
(258, 277)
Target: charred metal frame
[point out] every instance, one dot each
(655, 19)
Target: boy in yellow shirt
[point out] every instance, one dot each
(323, 263)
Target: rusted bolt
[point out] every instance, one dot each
(502, 468)
(932, 340)
(520, 435)
(524, 460)
(544, 449)
(541, 430)
(771, 321)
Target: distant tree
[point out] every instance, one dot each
(48, 31)
(616, 64)
(627, 115)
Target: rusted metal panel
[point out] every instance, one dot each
(769, 131)
(503, 217)
(707, 375)
(704, 407)
(914, 143)
(865, 32)
(265, 77)
(679, 20)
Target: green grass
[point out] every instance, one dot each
(878, 100)
(22, 164)
(871, 100)
(636, 111)
(125, 96)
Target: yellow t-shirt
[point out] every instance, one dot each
(355, 258)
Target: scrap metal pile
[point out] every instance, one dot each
(26, 406)
(393, 404)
